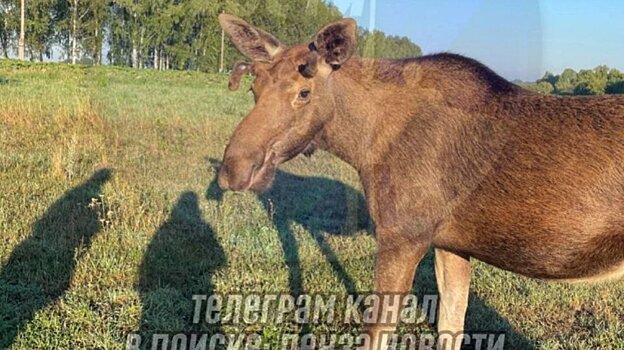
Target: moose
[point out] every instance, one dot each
(451, 156)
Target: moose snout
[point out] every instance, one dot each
(238, 168)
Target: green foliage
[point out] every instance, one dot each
(589, 87)
(9, 14)
(616, 87)
(543, 87)
(598, 81)
(376, 44)
(171, 34)
(40, 28)
(565, 83)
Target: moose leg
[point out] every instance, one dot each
(395, 267)
(453, 279)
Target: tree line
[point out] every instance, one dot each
(166, 34)
(598, 81)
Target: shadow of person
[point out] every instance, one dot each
(40, 268)
(319, 205)
(179, 262)
(480, 317)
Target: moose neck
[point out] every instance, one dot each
(379, 102)
(363, 100)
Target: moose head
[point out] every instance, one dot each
(293, 98)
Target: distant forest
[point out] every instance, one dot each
(166, 34)
(598, 81)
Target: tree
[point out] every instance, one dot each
(8, 25)
(616, 87)
(597, 81)
(40, 28)
(168, 34)
(207, 34)
(377, 45)
(586, 88)
(127, 38)
(80, 28)
(74, 31)
(22, 36)
(94, 29)
(566, 82)
(544, 87)
(549, 78)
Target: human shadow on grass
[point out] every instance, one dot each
(40, 268)
(180, 261)
(320, 206)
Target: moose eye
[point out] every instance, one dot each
(304, 94)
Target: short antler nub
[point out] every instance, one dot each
(240, 69)
(309, 69)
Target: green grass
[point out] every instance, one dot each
(110, 220)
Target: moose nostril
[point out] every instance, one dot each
(223, 179)
(239, 166)
(257, 164)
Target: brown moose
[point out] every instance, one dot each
(450, 155)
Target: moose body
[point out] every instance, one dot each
(450, 155)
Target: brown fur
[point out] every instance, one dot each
(453, 156)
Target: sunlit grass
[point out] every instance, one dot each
(158, 230)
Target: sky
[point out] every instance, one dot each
(519, 39)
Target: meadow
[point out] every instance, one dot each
(110, 220)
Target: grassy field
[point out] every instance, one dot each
(110, 220)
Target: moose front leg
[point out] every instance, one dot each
(453, 279)
(395, 267)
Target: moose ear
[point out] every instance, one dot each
(252, 42)
(240, 69)
(336, 41)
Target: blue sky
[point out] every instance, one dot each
(520, 39)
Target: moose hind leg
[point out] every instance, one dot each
(453, 280)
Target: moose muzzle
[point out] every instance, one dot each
(240, 168)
